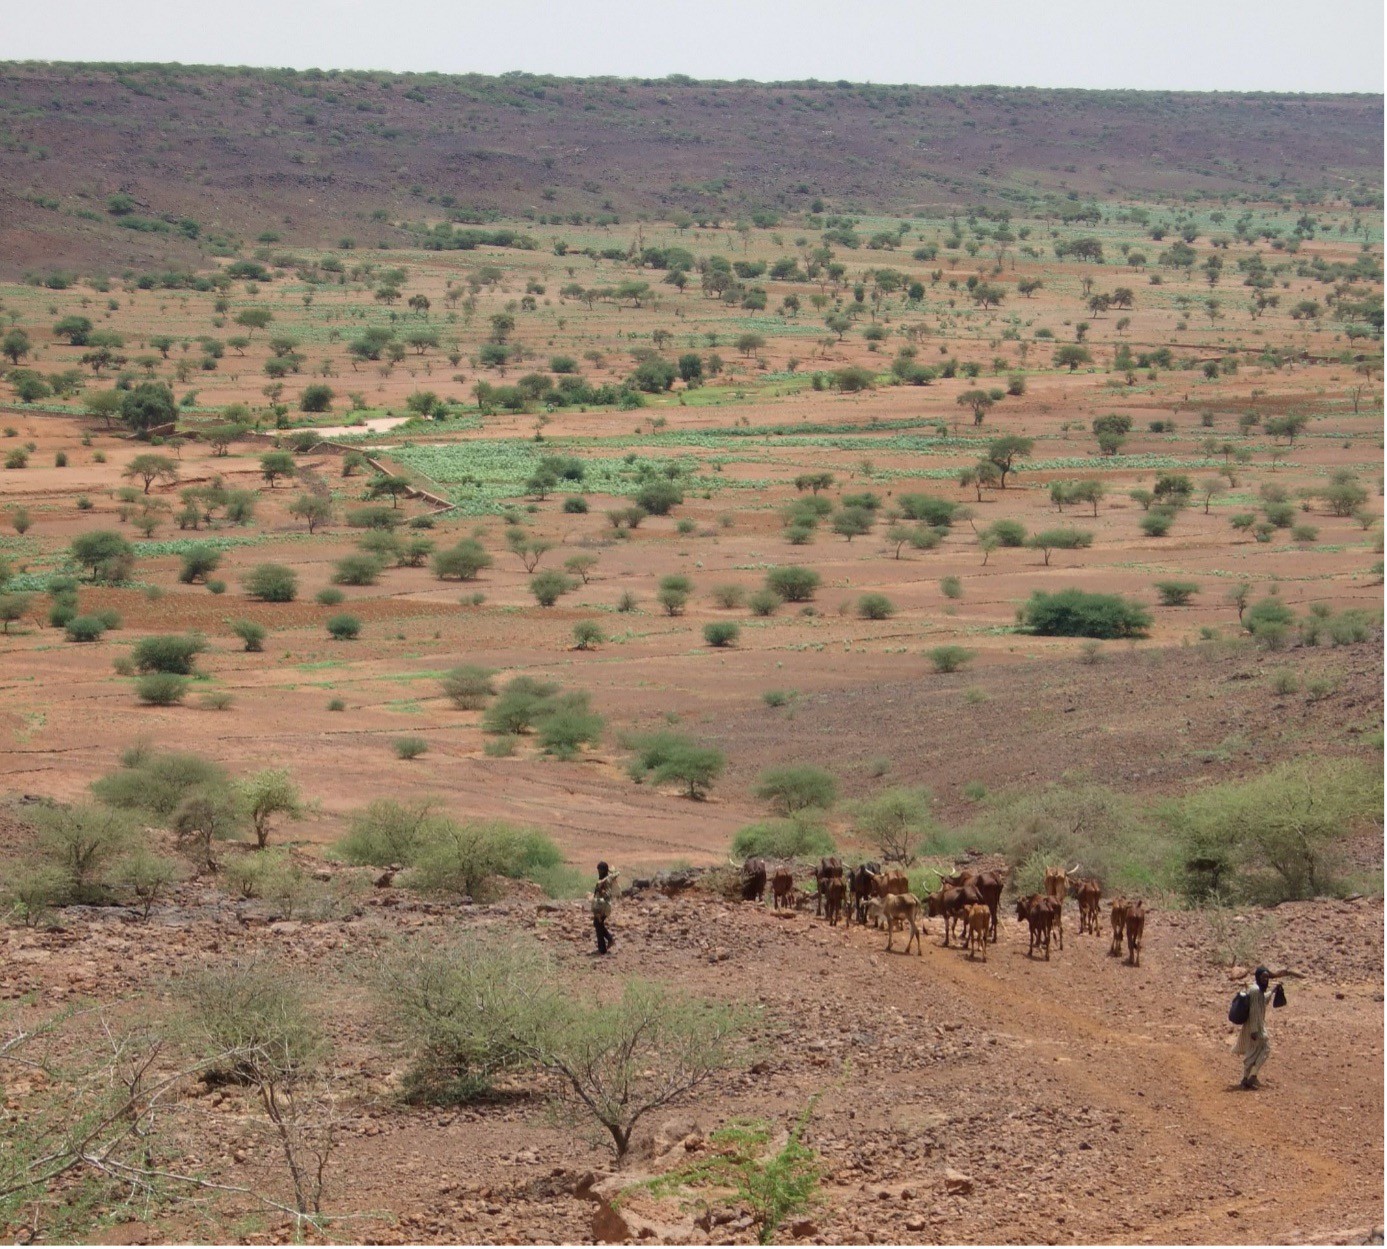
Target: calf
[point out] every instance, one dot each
(833, 903)
(1136, 928)
(754, 880)
(1119, 926)
(898, 908)
(782, 888)
(1039, 912)
(1088, 893)
(979, 924)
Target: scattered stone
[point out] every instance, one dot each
(957, 1183)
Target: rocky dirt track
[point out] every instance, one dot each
(1081, 1100)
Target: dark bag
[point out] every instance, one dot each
(1278, 997)
(1240, 1007)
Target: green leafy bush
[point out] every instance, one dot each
(251, 633)
(271, 583)
(1079, 613)
(793, 583)
(172, 652)
(85, 629)
(409, 747)
(518, 708)
(161, 689)
(468, 687)
(1176, 593)
(950, 658)
(363, 569)
(783, 839)
(720, 633)
(875, 607)
(796, 787)
(343, 627)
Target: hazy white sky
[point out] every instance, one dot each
(1251, 45)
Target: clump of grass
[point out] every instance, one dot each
(409, 747)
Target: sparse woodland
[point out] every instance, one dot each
(368, 574)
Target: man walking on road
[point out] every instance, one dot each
(1252, 1040)
(602, 895)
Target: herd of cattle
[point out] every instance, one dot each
(967, 902)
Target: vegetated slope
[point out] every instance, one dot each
(311, 156)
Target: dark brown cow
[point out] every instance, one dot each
(1088, 893)
(1039, 912)
(989, 884)
(834, 899)
(952, 902)
(1119, 926)
(829, 869)
(1136, 929)
(782, 888)
(754, 880)
(860, 885)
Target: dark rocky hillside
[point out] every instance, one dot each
(312, 157)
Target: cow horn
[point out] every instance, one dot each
(1072, 870)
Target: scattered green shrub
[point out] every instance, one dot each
(950, 658)
(251, 633)
(875, 607)
(796, 787)
(161, 689)
(343, 627)
(720, 633)
(271, 583)
(1079, 613)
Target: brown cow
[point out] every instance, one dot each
(1088, 893)
(1136, 929)
(1056, 887)
(754, 880)
(952, 903)
(979, 923)
(834, 902)
(897, 908)
(1039, 912)
(860, 886)
(888, 882)
(782, 888)
(990, 885)
(830, 868)
(1119, 926)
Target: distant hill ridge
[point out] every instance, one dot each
(314, 156)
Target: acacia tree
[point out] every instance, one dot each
(1002, 454)
(150, 468)
(979, 400)
(266, 795)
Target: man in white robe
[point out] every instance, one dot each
(1252, 1040)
